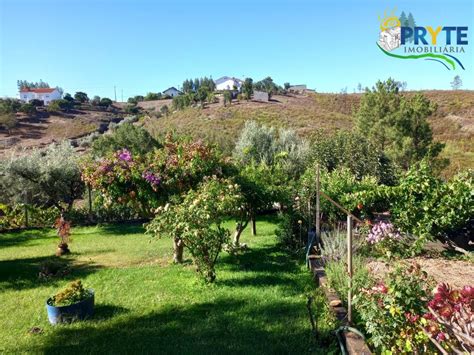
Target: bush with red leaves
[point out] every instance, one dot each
(450, 320)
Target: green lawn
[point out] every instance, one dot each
(146, 305)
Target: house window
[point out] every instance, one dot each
(47, 95)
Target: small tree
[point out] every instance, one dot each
(95, 101)
(227, 98)
(28, 109)
(164, 110)
(247, 88)
(196, 222)
(456, 83)
(51, 177)
(105, 102)
(8, 121)
(397, 124)
(81, 97)
(68, 97)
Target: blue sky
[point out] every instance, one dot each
(141, 46)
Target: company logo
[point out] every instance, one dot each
(400, 37)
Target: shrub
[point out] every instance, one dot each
(259, 143)
(386, 240)
(449, 321)
(8, 121)
(391, 311)
(144, 181)
(338, 278)
(73, 293)
(28, 109)
(132, 109)
(60, 105)
(425, 206)
(339, 184)
(133, 138)
(36, 102)
(335, 245)
(353, 151)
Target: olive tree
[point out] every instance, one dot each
(47, 177)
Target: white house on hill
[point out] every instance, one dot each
(172, 91)
(228, 83)
(44, 94)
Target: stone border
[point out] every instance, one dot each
(354, 343)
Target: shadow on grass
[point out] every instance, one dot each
(226, 326)
(271, 258)
(122, 228)
(107, 311)
(23, 273)
(17, 238)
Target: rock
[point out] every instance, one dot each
(335, 303)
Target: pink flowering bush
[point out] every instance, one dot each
(450, 319)
(390, 311)
(143, 182)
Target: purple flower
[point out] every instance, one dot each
(151, 178)
(382, 230)
(125, 155)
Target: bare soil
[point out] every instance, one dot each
(457, 273)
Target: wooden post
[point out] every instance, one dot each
(318, 222)
(349, 268)
(309, 213)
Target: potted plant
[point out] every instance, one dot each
(63, 228)
(72, 303)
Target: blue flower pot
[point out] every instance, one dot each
(71, 313)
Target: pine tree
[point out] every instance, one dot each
(456, 83)
(411, 23)
(403, 19)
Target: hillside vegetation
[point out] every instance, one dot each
(452, 123)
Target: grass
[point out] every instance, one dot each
(146, 305)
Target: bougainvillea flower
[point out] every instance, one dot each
(125, 155)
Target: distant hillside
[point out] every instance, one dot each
(453, 123)
(43, 130)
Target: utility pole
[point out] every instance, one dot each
(115, 93)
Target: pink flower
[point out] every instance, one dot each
(441, 336)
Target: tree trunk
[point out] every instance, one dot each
(178, 248)
(238, 231)
(254, 225)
